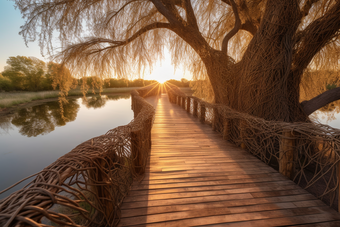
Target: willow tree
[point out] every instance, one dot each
(253, 52)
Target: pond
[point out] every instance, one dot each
(36, 136)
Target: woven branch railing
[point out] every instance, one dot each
(307, 153)
(86, 186)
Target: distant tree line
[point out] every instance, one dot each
(31, 74)
(182, 83)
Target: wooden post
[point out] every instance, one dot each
(215, 119)
(243, 134)
(101, 189)
(149, 128)
(202, 117)
(183, 102)
(132, 102)
(331, 155)
(195, 108)
(136, 146)
(338, 168)
(188, 104)
(286, 154)
(226, 131)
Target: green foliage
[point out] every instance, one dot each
(31, 74)
(26, 73)
(148, 82)
(5, 83)
(137, 83)
(330, 86)
(94, 82)
(47, 81)
(112, 83)
(116, 83)
(17, 78)
(61, 78)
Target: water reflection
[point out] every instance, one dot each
(329, 115)
(314, 83)
(42, 119)
(21, 147)
(5, 124)
(100, 100)
(94, 102)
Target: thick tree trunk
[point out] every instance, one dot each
(220, 68)
(262, 83)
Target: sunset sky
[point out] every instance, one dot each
(12, 44)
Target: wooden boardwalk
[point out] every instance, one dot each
(195, 178)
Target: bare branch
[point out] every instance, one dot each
(115, 44)
(317, 35)
(321, 100)
(167, 13)
(95, 45)
(191, 18)
(151, 13)
(249, 27)
(111, 15)
(234, 30)
(307, 7)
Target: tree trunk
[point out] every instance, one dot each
(262, 83)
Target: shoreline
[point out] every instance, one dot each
(53, 97)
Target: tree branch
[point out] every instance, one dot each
(308, 5)
(317, 35)
(114, 44)
(166, 13)
(191, 18)
(249, 27)
(234, 30)
(112, 14)
(321, 100)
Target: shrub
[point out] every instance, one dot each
(5, 83)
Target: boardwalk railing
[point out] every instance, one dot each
(307, 153)
(86, 186)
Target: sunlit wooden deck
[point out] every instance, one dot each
(195, 178)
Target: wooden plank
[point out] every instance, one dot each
(195, 178)
(204, 217)
(259, 206)
(255, 192)
(273, 185)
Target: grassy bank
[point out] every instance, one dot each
(8, 99)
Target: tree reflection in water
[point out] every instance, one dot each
(100, 100)
(5, 124)
(94, 101)
(42, 119)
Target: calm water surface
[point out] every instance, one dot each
(34, 137)
(331, 118)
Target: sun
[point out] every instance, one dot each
(164, 71)
(162, 80)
